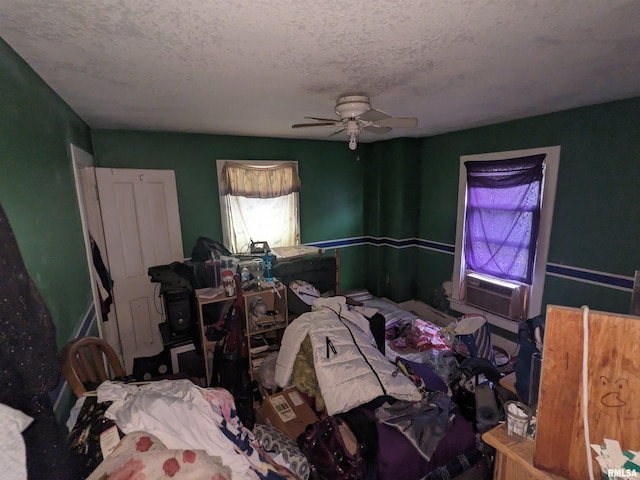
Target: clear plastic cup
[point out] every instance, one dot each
(518, 417)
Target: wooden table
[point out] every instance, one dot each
(514, 457)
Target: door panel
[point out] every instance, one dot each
(142, 230)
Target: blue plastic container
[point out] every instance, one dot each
(267, 259)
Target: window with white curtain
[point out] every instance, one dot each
(259, 203)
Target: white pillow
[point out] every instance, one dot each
(304, 291)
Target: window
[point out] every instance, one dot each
(258, 202)
(505, 208)
(502, 216)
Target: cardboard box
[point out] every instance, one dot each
(287, 411)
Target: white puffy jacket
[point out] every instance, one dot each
(351, 370)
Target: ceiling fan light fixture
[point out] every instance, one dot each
(352, 106)
(356, 115)
(353, 130)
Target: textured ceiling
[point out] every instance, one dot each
(254, 67)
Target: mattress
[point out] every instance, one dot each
(395, 316)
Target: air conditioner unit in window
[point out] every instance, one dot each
(496, 296)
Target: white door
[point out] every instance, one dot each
(142, 229)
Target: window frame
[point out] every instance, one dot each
(259, 163)
(552, 162)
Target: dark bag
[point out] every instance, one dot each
(327, 453)
(84, 439)
(231, 372)
(204, 246)
(465, 380)
(231, 363)
(202, 252)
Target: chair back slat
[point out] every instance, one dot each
(83, 363)
(83, 366)
(97, 360)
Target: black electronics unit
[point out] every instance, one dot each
(185, 359)
(258, 248)
(181, 354)
(148, 368)
(180, 310)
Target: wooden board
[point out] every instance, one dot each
(613, 386)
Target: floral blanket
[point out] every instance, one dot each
(187, 418)
(141, 456)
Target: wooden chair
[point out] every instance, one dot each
(83, 364)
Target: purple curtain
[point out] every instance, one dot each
(503, 216)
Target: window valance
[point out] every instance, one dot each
(259, 182)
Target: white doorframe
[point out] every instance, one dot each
(85, 183)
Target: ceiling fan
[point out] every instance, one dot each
(356, 115)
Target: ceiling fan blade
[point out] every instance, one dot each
(376, 129)
(338, 131)
(373, 115)
(397, 122)
(324, 119)
(317, 124)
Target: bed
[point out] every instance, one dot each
(431, 357)
(412, 336)
(418, 429)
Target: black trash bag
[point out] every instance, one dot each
(204, 246)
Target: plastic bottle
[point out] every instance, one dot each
(227, 273)
(267, 259)
(212, 270)
(244, 274)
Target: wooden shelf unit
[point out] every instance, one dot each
(257, 327)
(208, 345)
(272, 332)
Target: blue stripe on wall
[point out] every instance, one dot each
(83, 330)
(438, 247)
(608, 280)
(87, 322)
(619, 282)
(345, 242)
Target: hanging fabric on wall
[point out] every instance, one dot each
(106, 293)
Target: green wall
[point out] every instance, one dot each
(400, 189)
(37, 188)
(331, 198)
(596, 224)
(407, 188)
(397, 189)
(392, 183)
